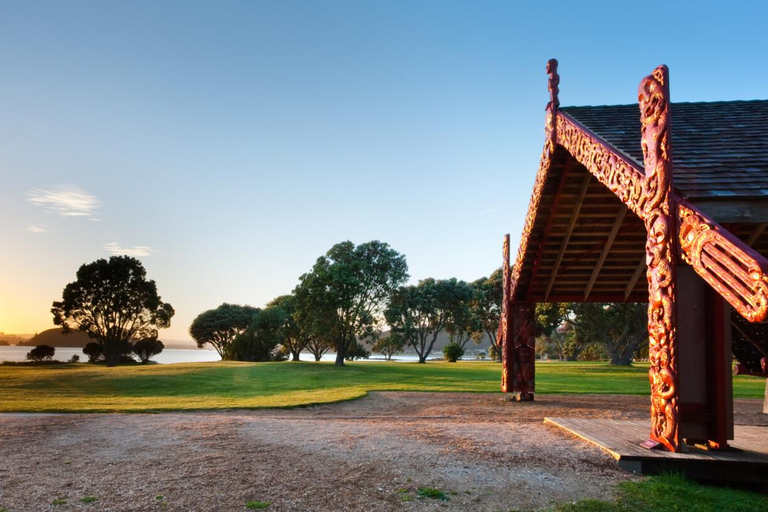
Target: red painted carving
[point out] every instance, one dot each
(729, 265)
(502, 335)
(523, 338)
(541, 175)
(659, 214)
(619, 174)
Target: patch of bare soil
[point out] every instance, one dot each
(371, 454)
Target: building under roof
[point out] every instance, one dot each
(658, 202)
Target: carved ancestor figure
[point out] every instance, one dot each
(659, 213)
(503, 334)
(524, 340)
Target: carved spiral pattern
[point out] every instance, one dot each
(657, 205)
(729, 265)
(524, 347)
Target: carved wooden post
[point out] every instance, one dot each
(502, 336)
(524, 346)
(660, 218)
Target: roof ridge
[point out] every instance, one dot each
(718, 102)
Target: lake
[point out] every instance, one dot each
(172, 355)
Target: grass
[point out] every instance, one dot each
(224, 385)
(88, 499)
(672, 493)
(432, 493)
(257, 505)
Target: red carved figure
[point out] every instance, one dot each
(659, 213)
(502, 336)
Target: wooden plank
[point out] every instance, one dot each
(564, 245)
(606, 250)
(635, 277)
(756, 233)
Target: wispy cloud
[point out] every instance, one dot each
(137, 250)
(67, 202)
(36, 229)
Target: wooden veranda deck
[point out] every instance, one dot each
(747, 462)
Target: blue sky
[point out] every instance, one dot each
(229, 144)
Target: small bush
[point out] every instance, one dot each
(74, 359)
(358, 351)
(452, 352)
(41, 353)
(146, 348)
(94, 351)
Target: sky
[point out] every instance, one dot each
(228, 144)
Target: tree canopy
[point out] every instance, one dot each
(220, 326)
(114, 303)
(486, 305)
(419, 313)
(344, 294)
(294, 338)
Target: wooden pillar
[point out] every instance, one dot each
(523, 348)
(659, 213)
(704, 361)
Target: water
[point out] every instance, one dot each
(172, 355)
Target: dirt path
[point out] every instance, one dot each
(489, 454)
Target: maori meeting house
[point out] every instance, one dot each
(657, 202)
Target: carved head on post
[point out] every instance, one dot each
(553, 86)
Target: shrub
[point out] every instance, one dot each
(452, 352)
(74, 359)
(41, 353)
(494, 353)
(94, 351)
(146, 348)
(357, 351)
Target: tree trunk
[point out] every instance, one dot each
(317, 357)
(295, 356)
(422, 359)
(112, 354)
(621, 360)
(339, 358)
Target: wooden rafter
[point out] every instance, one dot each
(756, 233)
(568, 232)
(548, 227)
(635, 278)
(606, 250)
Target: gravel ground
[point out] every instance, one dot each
(369, 454)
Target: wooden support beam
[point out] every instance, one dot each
(635, 277)
(548, 227)
(606, 250)
(756, 233)
(567, 238)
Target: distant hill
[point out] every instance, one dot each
(55, 338)
(4, 343)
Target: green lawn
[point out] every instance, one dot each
(91, 388)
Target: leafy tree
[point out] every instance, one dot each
(41, 353)
(463, 323)
(621, 328)
(259, 341)
(94, 351)
(342, 297)
(221, 326)
(294, 338)
(114, 303)
(318, 346)
(147, 348)
(388, 346)
(569, 342)
(419, 313)
(452, 352)
(486, 305)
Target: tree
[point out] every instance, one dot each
(463, 323)
(221, 326)
(452, 352)
(419, 313)
(486, 305)
(146, 348)
(259, 341)
(294, 338)
(114, 303)
(621, 328)
(342, 297)
(41, 353)
(357, 351)
(388, 346)
(318, 346)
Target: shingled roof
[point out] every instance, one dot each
(719, 149)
